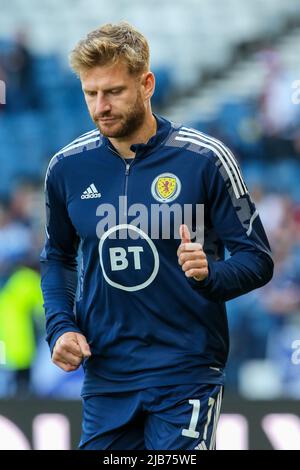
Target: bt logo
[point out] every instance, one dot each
(118, 257)
(142, 259)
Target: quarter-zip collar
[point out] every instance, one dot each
(141, 149)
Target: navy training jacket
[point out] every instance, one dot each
(110, 269)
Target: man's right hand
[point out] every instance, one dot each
(69, 351)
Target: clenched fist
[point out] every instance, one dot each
(69, 351)
(191, 256)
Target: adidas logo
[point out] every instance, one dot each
(91, 192)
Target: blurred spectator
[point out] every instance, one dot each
(17, 65)
(279, 116)
(27, 205)
(21, 305)
(16, 241)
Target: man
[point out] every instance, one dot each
(149, 322)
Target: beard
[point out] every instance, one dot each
(125, 124)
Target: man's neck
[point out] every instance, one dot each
(141, 136)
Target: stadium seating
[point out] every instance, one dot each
(184, 46)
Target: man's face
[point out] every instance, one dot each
(114, 99)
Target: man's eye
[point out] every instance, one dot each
(115, 92)
(91, 93)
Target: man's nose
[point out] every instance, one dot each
(102, 105)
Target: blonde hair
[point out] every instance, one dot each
(109, 44)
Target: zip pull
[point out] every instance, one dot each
(127, 169)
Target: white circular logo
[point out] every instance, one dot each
(119, 257)
(166, 187)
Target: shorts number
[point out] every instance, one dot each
(191, 431)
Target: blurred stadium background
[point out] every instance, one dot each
(230, 68)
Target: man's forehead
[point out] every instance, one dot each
(106, 75)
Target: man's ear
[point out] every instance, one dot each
(148, 84)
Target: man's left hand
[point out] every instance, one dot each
(191, 256)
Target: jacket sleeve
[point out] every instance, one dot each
(58, 261)
(236, 222)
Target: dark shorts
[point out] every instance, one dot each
(177, 417)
